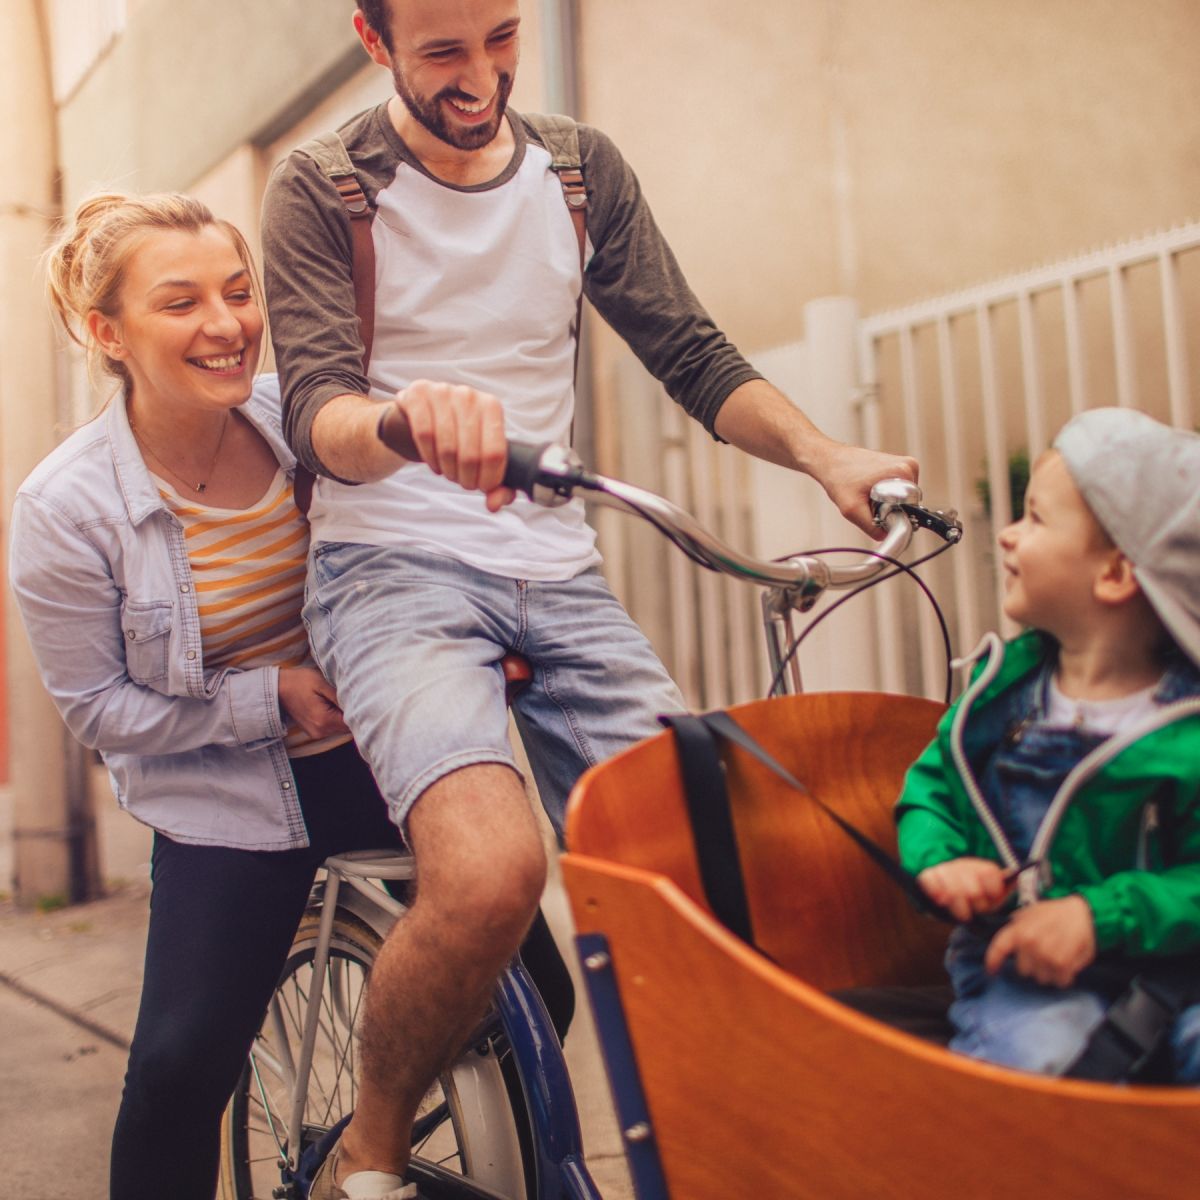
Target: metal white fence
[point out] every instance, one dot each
(707, 628)
(703, 626)
(976, 384)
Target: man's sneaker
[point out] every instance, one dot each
(324, 1188)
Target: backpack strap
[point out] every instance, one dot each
(560, 136)
(329, 152)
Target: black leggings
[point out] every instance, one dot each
(221, 923)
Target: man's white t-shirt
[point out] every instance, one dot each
(476, 288)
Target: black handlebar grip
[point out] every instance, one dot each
(524, 463)
(520, 472)
(395, 434)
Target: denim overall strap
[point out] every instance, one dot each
(1030, 764)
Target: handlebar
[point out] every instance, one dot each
(552, 474)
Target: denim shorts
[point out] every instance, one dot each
(412, 642)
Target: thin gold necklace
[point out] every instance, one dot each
(202, 485)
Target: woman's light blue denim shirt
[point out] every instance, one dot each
(101, 576)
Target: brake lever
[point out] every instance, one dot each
(945, 524)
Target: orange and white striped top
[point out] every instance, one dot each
(248, 566)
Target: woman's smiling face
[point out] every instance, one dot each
(189, 328)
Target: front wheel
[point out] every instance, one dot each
(473, 1124)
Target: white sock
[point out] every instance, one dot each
(376, 1185)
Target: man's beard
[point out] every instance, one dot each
(431, 115)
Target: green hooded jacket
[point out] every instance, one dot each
(1123, 830)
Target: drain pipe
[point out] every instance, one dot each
(53, 839)
(560, 62)
(561, 87)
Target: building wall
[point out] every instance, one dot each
(791, 149)
(798, 148)
(188, 81)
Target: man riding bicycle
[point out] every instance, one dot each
(424, 574)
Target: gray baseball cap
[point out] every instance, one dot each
(1141, 479)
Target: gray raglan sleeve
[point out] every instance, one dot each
(308, 275)
(635, 283)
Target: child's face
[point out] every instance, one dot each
(1053, 554)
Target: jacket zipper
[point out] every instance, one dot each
(1031, 883)
(1088, 766)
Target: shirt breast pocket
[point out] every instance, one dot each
(147, 629)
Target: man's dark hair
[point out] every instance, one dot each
(379, 19)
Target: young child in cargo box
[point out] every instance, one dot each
(1064, 785)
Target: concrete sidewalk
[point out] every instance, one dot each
(69, 987)
(69, 984)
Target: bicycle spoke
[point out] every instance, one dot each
(338, 1017)
(424, 1127)
(280, 1143)
(342, 1051)
(262, 1138)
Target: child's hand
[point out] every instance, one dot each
(966, 886)
(1050, 941)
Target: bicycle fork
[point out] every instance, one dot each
(558, 1143)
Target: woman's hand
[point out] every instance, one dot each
(966, 886)
(307, 698)
(1050, 941)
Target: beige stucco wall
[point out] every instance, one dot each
(791, 148)
(795, 148)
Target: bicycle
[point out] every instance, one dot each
(807, 1054)
(501, 1122)
(552, 475)
(641, 876)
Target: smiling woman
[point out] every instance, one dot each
(158, 559)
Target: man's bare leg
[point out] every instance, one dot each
(481, 868)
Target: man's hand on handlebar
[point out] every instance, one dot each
(457, 432)
(849, 472)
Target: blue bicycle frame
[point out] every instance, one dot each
(554, 1118)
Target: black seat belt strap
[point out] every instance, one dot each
(1136, 1024)
(725, 726)
(712, 823)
